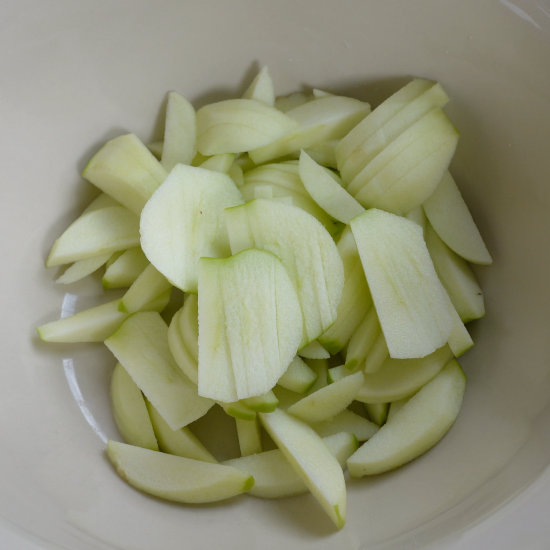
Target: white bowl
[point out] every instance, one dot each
(77, 73)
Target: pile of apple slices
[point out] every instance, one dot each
(323, 251)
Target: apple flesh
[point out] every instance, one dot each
(250, 437)
(346, 421)
(83, 268)
(150, 284)
(125, 269)
(261, 88)
(298, 377)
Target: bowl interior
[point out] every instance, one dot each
(77, 74)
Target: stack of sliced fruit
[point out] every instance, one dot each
(306, 233)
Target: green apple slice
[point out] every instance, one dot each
(130, 412)
(125, 269)
(239, 125)
(378, 412)
(314, 350)
(186, 362)
(150, 284)
(177, 478)
(238, 409)
(141, 345)
(399, 378)
(377, 355)
(219, 163)
(274, 476)
(262, 88)
(312, 460)
(307, 252)
(395, 407)
(417, 216)
(250, 437)
(362, 340)
(180, 134)
(95, 324)
(409, 298)
(460, 340)
(320, 368)
(188, 323)
(98, 232)
(416, 428)
(180, 442)
(356, 298)
(101, 201)
(250, 324)
(327, 402)
(324, 153)
(337, 373)
(346, 421)
(457, 278)
(127, 171)
(452, 221)
(184, 221)
(114, 257)
(266, 402)
(82, 269)
(378, 118)
(298, 377)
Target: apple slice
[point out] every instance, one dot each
(314, 350)
(399, 378)
(238, 125)
(346, 421)
(378, 412)
(101, 201)
(288, 102)
(250, 324)
(312, 461)
(324, 153)
(250, 437)
(184, 221)
(156, 148)
(98, 232)
(141, 345)
(261, 88)
(219, 163)
(416, 428)
(409, 298)
(327, 402)
(275, 478)
(298, 377)
(452, 221)
(127, 171)
(266, 402)
(377, 355)
(356, 297)
(125, 269)
(236, 174)
(395, 407)
(146, 287)
(457, 278)
(82, 269)
(130, 412)
(180, 442)
(186, 362)
(176, 478)
(362, 340)
(95, 324)
(180, 132)
(188, 324)
(307, 252)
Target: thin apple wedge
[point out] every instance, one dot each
(261, 88)
(101, 201)
(298, 377)
(362, 340)
(416, 428)
(150, 284)
(266, 402)
(185, 361)
(377, 355)
(378, 412)
(312, 461)
(83, 268)
(219, 163)
(177, 478)
(314, 350)
(346, 421)
(125, 269)
(250, 437)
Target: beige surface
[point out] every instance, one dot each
(77, 73)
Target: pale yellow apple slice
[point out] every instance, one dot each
(250, 437)
(184, 221)
(452, 221)
(130, 412)
(180, 134)
(274, 476)
(98, 232)
(346, 421)
(238, 125)
(177, 478)
(266, 402)
(236, 174)
(250, 324)
(362, 340)
(395, 407)
(186, 362)
(94, 324)
(150, 284)
(125, 269)
(314, 350)
(377, 355)
(261, 88)
(409, 298)
(127, 171)
(312, 460)
(219, 163)
(416, 428)
(307, 252)
(182, 442)
(188, 323)
(82, 269)
(298, 377)
(141, 345)
(417, 216)
(377, 412)
(327, 402)
(101, 201)
(399, 378)
(324, 153)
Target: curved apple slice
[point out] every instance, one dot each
(83, 268)
(346, 421)
(262, 88)
(177, 478)
(416, 427)
(125, 269)
(184, 221)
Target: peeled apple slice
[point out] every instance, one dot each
(219, 163)
(125, 269)
(452, 221)
(378, 412)
(306, 249)
(312, 461)
(414, 429)
(261, 88)
(150, 284)
(250, 437)
(186, 362)
(102, 201)
(184, 221)
(127, 171)
(177, 478)
(346, 421)
(98, 232)
(314, 350)
(409, 299)
(266, 402)
(82, 269)
(362, 340)
(239, 125)
(250, 324)
(298, 377)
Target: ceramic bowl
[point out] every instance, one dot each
(75, 74)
